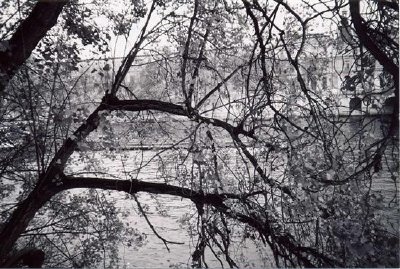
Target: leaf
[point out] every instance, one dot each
(106, 67)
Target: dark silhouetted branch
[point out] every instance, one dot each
(42, 18)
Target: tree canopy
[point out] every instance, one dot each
(237, 106)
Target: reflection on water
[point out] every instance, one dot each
(169, 214)
(166, 213)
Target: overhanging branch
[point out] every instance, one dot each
(198, 197)
(135, 186)
(141, 105)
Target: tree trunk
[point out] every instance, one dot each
(29, 33)
(21, 218)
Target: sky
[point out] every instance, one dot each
(120, 46)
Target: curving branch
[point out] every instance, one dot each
(136, 186)
(141, 105)
(305, 255)
(390, 66)
(362, 33)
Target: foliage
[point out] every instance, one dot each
(234, 105)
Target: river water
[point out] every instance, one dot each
(170, 215)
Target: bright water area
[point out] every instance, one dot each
(167, 212)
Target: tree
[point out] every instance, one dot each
(230, 74)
